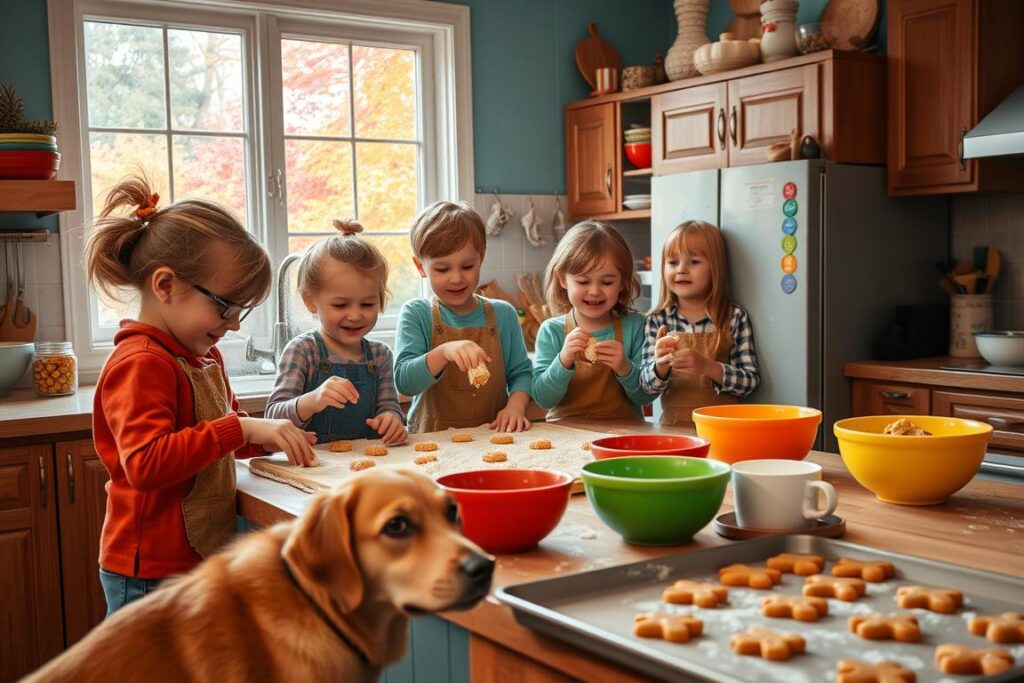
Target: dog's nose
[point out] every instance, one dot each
(477, 567)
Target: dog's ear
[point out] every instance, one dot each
(319, 550)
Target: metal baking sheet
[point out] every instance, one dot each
(594, 611)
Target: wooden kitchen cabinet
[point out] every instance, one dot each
(882, 398)
(81, 487)
(689, 131)
(1004, 413)
(950, 63)
(592, 160)
(763, 109)
(31, 629)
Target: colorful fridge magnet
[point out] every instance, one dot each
(789, 226)
(789, 190)
(789, 244)
(788, 263)
(789, 207)
(788, 283)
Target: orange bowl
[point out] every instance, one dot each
(744, 431)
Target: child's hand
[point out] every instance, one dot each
(664, 348)
(336, 392)
(465, 354)
(575, 344)
(390, 428)
(280, 435)
(613, 354)
(511, 418)
(689, 361)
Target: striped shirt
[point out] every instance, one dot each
(299, 361)
(740, 375)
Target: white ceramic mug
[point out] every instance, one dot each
(780, 494)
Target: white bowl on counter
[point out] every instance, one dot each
(14, 360)
(1001, 347)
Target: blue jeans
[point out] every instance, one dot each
(120, 590)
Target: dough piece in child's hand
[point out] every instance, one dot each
(675, 628)
(495, 456)
(751, 577)
(767, 644)
(1006, 628)
(799, 607)
(425, 446)
(340, 446)
(375, 450)
(501, 439)
(869, 571)
(479, 375)
(590, 353)
(424, 459)
(792, 563)
(854, 671)
(361, 465)
(902, 627)
(461, 437)
(686, 592)
(540, 445)
(942, 600)
(841, 588)
(958, 659)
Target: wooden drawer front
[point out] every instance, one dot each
(14, 486)
(1004, 413)
(763, 109)
(689, 129)
(877, 398)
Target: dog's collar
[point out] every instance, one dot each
(323, 615)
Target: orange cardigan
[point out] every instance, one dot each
(146, 434)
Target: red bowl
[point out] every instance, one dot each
(29, 164)
(649, 444)
(508, 510)
(639, 154)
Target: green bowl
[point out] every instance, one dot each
(656, 500)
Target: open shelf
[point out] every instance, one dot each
(626, 215)
(637, 173)
(40, 196)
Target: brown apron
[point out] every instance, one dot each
(593, 389)
(453, 401)
(687, 391)
(209, 509)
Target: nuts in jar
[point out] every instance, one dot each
(54, 369)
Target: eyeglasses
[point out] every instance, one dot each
(229, 309)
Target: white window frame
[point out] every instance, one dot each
(447, 125)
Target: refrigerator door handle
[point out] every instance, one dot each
(721, 127)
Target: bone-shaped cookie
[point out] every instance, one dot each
(869, 571)
(751, 577)
(792, 563)
(942, 600)
(958, 659)
(676, 628)
(1005, 628)
(685, 592)
(902, 627)
(841, 588)
(855, 671)
(768, 644)
(799, 607)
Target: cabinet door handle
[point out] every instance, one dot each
(42, 482)
(608, 180)
(732, 126)
(895, 395)
(960, 150)
(721, 127)
(71, 480)
(1004, 422)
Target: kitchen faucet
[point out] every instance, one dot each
(282, 326)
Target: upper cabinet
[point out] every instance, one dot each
(950, 63)
(592, 144)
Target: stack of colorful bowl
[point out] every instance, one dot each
(28, 156)
(638, 146)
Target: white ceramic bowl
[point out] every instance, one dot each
(14, 360)
(1001, 347)
(636, 204)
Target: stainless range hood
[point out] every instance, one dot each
(1001, 132)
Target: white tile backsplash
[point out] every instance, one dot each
(43, 285)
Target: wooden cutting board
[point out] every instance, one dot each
(593, 53)
(851, 22)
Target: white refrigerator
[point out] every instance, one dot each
(818, 256)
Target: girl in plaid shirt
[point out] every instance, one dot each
(700, 345)
(333, 381)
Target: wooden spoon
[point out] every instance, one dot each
(992, 266)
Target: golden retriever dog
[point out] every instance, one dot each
(326, 597)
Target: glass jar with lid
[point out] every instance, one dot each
(54, 369)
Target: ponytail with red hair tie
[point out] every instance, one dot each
(148, 208)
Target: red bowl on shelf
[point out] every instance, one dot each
(639, 154)
(508, 510)
(649, 444)
(29, 164)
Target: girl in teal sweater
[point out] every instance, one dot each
(588, 360)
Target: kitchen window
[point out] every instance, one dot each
(289, 118)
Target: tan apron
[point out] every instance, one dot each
(593, 389)
(209, 509)
(687, 391)
(453, 401)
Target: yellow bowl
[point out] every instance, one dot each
(912, 470)
(745, 431)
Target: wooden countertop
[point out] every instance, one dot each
(23, 414)
(926, 371)
(981, 526)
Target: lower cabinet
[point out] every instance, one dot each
(52, 504)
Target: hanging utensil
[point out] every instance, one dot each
(24, 317)
(7, 287)
(992, 266)
(7, 328)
